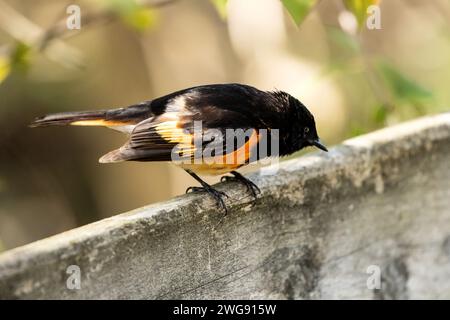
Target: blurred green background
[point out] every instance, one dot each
(353, 79)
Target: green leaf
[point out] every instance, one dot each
(140, 19)
(123, 7)
(356, 130)
(402, 87)
(20, 56)
(221, 7)
(298, 9)
(359, 9)
(380, 114)
(5, 68)
(18, 59)
(344, 40)
(133, 14)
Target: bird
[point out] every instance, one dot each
(190, 128)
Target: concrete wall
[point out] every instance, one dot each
(380, 201)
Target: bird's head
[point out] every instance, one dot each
(302, 127)
(307, 132)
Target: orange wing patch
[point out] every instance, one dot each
(173, 133)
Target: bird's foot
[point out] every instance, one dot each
(216, 194)
(251, 186)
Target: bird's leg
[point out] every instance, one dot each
(252, 187)
(216, 194)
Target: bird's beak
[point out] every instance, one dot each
(319, 145)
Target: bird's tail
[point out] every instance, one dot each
(87, 118)
(109, 118)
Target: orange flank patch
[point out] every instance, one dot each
(241, 155)
(225, 163)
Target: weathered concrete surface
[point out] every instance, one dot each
(382, 199)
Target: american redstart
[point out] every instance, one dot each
(210, 129)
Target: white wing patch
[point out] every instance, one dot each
(128, 129)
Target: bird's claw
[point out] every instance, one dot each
(216, 194)
(250, 185)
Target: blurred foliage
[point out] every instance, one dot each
(20, 57)
(298, 9)
(5, 67)
(402, 88)
(344, 40)
(359, 9)
(395, 91)
(221, 7)
(380, 115)
(17, 60)
(141, 19)
(402, 94)
(133, 14)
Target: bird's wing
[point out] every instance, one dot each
(192, 121)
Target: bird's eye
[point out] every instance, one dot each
(306, 130)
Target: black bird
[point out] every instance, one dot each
(190, 127)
